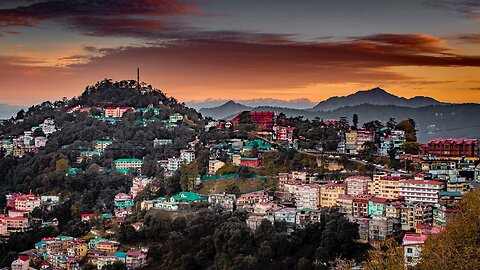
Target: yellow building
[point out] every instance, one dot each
(107, 246)
(330, 193)
(80, 249)
(384, 186)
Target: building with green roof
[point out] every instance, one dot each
(261, 145)
(128, 163)
(187, 197)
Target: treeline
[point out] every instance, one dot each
(208, 240)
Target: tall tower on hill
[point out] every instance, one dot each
(138, 78)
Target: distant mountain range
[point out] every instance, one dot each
(375, 96)
(300, 103)
(227, 109)
(7, 111)
(434, 119)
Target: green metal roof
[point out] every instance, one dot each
(91, 153)
(450, 193)
(127, 160)
(187, 197)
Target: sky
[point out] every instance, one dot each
(248, 49)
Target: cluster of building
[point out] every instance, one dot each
(66, 252)
(381, 206)
(172, 164)
(30, 141)
(354, 141)
(18, 208)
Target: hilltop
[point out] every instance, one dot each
(375, 96)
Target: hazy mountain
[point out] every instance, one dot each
(375, 96)
(225, 110)
(7, 111)
(300, 103)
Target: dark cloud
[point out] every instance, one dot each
(467, 8)
(473, 38)
(91, 15)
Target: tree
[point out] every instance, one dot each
(62, 165)
(232, 188)
(458, 246)
(411, 147)
(391, 124)
(355, 121)
(388, 257)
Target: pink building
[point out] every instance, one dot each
(252, 198)
(27, 202)
(116, 111)
(283, 134)
(308, 196)
(357, 185)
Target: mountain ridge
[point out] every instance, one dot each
(374, 96)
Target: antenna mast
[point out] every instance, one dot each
(138, 77)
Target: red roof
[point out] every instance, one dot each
(378, 200)
(423, 182)
(455, 141)
(118, 107)
(134, 253)
(334, 185)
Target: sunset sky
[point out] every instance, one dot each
(194, 50)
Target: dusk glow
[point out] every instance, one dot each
(243, 49)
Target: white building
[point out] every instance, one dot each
(187, 156)
(425, 191)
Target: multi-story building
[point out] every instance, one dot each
(116, 112)
(254, 221)
(123, 205)
(101, 145)
(161, 142)
(214, 165)
(252, 198)
(380, 228)
(262, 120)
(283, 215)
(357, 185)
(139, 183)
(125, 164)
(226, 201)
(15, 224)
(384, 186)
(329, 194)
(377, 207)
(307, 216)
(360, 205)
(441, 213)
(395, 140)
(345, 205)
(135, 259)
(22, 263)
(355, 140)
(308, 196)
(412, 248)
(187, 156)
(451, 148)
(283, 134)
(425, 191)
(27, 202)
(414, 213)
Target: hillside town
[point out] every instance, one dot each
(376, 176)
